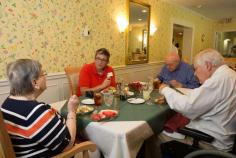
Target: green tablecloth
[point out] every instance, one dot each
(155, 115)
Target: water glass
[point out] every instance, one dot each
(146, 94)
(108, 98)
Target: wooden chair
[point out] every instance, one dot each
(72, 74)
(6, 149)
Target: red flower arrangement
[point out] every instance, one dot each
(135, 86)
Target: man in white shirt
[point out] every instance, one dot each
(212, 106)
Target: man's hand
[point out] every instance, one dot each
(106, 83)
(176, 84)
(163, 85)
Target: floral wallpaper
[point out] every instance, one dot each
(51, 31)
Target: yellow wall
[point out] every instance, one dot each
(50, 31)
(220, 27)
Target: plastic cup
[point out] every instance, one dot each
(108, 98)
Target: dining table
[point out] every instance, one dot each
(123, 135)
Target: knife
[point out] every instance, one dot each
(171, 86)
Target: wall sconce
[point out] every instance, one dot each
(122, 23)
(140, 38)
(152, 29)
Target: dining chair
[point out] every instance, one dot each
(6, 148)
(176, 149)
(72, 74)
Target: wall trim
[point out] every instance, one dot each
(57, 84)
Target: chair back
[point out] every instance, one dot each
(6, 149)
(72, 74)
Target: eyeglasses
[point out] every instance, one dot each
(101, 59)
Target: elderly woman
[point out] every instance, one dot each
(35, 129)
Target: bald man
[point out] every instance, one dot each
(177, 73)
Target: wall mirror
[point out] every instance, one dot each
(226, 43)
(138, 34)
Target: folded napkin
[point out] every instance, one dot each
(175, 122)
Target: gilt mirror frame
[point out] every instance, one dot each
(225, 43)
(142, 52)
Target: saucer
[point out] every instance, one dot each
(87, 101)
(135, 100)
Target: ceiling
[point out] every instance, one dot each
(214, 9)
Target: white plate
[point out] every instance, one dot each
(135, 100)
(87, 101)
(129, 93)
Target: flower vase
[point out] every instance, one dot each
(137, 93)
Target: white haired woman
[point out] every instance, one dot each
(35, 129)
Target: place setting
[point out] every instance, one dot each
(94, 105)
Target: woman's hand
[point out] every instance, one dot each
(73, 104)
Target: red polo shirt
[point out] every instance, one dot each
(89, 77)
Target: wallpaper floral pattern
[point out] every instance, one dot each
(50, 31)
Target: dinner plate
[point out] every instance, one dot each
(135, 100)
(84, 109)
(87, 101)
(129, 93)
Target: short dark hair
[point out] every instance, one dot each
(103, 51)
(20, 74)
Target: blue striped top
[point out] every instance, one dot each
(35, 129)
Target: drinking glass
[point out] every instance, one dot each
(97, 99)
(108, 98)
(150, 84)
(146, 94)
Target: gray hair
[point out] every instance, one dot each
(21, 74)
(209, 55)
